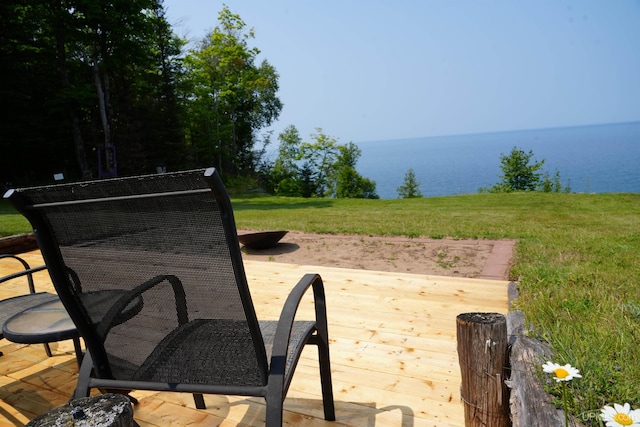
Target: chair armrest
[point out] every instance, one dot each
(28, 271)
(287, 317)
(109, 319)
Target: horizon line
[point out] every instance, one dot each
(502, 131)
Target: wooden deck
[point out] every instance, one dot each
(393, 351)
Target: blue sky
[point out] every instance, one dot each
(365, 70)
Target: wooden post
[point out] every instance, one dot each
(483, 357)
(108, 410)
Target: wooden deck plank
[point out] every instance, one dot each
(393, 353)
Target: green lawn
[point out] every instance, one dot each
(577, 263)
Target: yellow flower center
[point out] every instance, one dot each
(623, 419)
(561, 373)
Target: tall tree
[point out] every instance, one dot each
(284, 176)
(232, 98)
(62, 20)
(79, 75)
(146, 101)
(321, 156)
(116, 41)
(33, 142)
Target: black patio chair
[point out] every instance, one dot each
(171, 241)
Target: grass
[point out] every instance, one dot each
(11, 222)
(576, 262)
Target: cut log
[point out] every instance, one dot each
(482, 352)
(108, 410)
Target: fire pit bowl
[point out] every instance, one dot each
(261, 239)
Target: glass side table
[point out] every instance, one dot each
(44, 323)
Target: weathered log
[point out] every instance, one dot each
(18, 244)
(108, 410)
(512, 294)
(482, 353)
(530, 404)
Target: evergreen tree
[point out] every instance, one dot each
(549, 185)
(410, 188)
(518, 174)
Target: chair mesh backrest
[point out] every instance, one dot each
(117, 243)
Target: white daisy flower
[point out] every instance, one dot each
(562, 373)
(620, 415)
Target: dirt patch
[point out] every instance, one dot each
(460, 258)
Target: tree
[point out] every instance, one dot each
(548, 185)
(79, 75)
(150, 111)
(410, 188)
(34, 134)
(288, 152)
(518, 174)
(230, 97)
(321, 156)
(348, 182)
(285, 175)
(112, 44)
(320, 168)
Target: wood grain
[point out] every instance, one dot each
(393, 354)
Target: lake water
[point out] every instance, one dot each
(592, 159)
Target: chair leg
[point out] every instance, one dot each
(47, 349)
(274, 413)
(84, 377)
(199, 401)
(78, 350)
(325, 380)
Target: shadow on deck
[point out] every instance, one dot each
(393, 354)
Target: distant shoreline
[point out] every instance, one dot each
(590, 159)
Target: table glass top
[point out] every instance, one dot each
(43, 319)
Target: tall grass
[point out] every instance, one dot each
(577, 264)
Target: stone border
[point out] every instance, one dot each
(18, 243)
